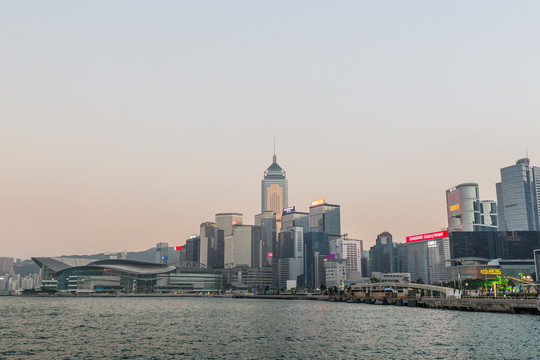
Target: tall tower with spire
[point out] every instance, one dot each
(274, 194)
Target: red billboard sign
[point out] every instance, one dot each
(177, 248)
(429, 236)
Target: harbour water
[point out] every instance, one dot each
(216, 328)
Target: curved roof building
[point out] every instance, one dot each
(80, 275)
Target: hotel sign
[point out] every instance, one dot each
(317, 202)
(428, 236)
(490, 271)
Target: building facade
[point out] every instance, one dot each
(518, 197)
(193, 249)
(426, 257)
(79, 275)
(466, 212)
(350, 250)
(212, 245)
(6, 265)
(326, 218)
(316, 246)
(336, 272)
(162, 252)
(254, 278)
(382, 256)
(511, 252)
(274, 191)
(291, 256)
(226, 221)
(268, 223)
(242, 248)
(292, 218)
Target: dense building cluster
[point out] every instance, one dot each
(483, 237)
(285, 248)
(11, 281)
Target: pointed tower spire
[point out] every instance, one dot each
(274, 158)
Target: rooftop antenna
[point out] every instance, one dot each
(526, 150)
(274, 150)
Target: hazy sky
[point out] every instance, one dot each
(124, 124)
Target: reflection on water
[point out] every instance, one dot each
(158, 328)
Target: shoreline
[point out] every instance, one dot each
(508, 306)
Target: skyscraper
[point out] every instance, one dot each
(293, 218)
(382, 256)
(326, 218)
(518, 197)
(291, 256)
(274, 191)
(212, 246)
(193, 249)
(466, 212)
(242, 248)
(226, 221)
(316, 246)
(425, 256)
(268, 224)
(162, 249)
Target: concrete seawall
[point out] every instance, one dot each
(510, 306)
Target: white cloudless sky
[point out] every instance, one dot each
(124, 124)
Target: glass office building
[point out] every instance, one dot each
(193, 249)
(383, 256)
(212, 245)
(316, 244)
(325, 218)
(518, 197)
(268, 223)
(511, 245)
(293, 218)
(291, 255)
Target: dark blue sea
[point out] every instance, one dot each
(225, 328)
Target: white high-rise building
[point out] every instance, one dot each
(426, 260)
(336, 272)
(350, 250)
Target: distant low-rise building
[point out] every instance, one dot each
(390, 277)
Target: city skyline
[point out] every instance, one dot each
(121, 133)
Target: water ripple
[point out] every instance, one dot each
(221, 328)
